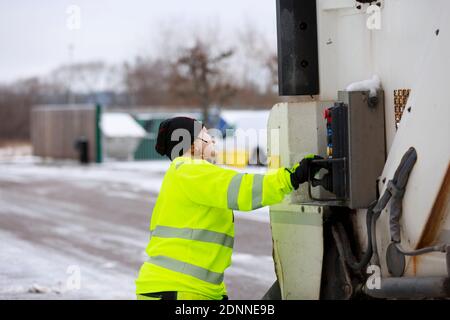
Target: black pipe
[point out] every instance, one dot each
(411, 288)
(418, 252)
(447, 258)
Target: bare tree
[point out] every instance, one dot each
(203, 73)
(146, 81)
(86, 77)
(258, 66)
(199, 75)
(16, 101)
(271, 63)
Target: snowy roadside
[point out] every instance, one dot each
(60, 217)
(139, 175)
(35, 272)
(29, 271)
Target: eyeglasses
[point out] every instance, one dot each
(205, 141)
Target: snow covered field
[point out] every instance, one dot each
(73, 232)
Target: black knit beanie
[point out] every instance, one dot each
(169, 138)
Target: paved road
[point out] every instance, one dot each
(64, 223)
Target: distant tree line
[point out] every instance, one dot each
(197, 73)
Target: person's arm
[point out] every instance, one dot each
(213, 186)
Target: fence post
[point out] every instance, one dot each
(98, 133)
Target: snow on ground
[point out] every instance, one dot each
(58, 215)
(43, 276)
(140, 175)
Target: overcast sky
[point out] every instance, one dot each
(35, 36)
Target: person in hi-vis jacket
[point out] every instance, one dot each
(192, 224)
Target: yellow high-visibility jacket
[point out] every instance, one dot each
(192, 225)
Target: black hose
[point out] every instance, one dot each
(381, 204)
(395, 190)
(401, 175)
(346, 248)
(396, 187)
(373, 231)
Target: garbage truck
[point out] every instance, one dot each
(374, 222)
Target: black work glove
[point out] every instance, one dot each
(300, 172)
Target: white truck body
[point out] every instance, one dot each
(410, 50)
